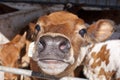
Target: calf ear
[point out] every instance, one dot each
(22, 40)
(100, 30)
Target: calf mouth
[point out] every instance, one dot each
(52, 61)
(53, 66)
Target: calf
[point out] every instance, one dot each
(101, 60)
(59, 37)
(10, 54)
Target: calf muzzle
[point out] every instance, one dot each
(57, 47)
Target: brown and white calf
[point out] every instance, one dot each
(101, 60)
(10, 54)
(59, 38)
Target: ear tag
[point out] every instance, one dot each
(31, 49)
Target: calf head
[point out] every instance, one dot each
(59, 37)
(10, 54)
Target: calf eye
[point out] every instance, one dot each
(82, 32)
(37, 27)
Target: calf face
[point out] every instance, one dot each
(59, 37)
(10, 54)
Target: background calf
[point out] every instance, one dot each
(10, 54)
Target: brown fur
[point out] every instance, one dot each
(107, 74)
(64, 25)
(68, 25)
(103, 54)
(10, 54)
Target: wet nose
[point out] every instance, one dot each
(58, 42)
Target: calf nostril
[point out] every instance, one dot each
(64, 46)
(41, 45)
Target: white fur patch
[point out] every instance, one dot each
(53, 68)
(82, 54)
(71, 59)
(31, 49)
(114, 60)
(1, 75)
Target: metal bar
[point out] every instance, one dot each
(105, 4)
(27, 73)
